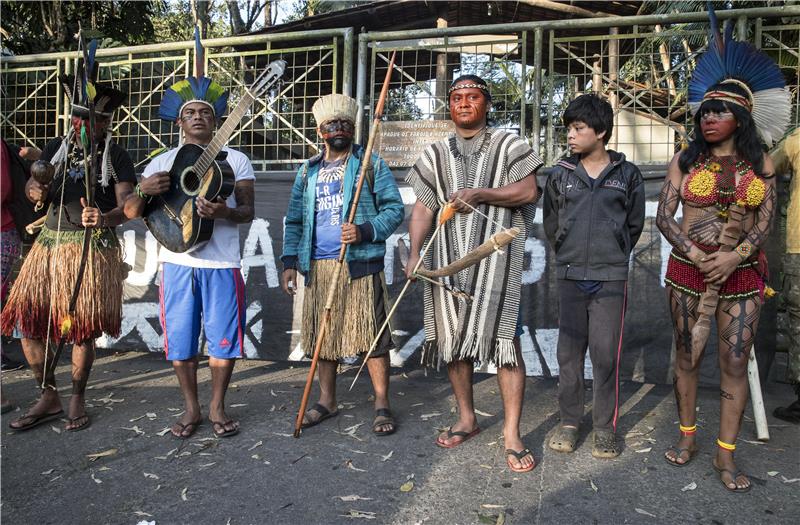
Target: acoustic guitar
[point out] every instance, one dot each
(199, 171)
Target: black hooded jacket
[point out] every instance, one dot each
(594, 225)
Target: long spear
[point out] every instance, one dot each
(326, 318)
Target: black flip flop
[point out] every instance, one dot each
(519, 455)
(458, 433)
(389, 420)
(733, 476)
(678, 451)
(37, 420)
(82, 427)
(224, 433)
(324, 414)
(183, 427)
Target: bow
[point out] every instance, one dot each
(490, 246)
(89, 146)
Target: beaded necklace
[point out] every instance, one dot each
(713, 182)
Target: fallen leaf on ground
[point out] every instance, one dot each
(426, 417)
(258, 444)
(149, 475)
(359, 514)
(95, 479)
(136, 419)
(407, 486)
(103, 469)
(163, 431)
(272, 393)
(417, 405)
(643, 450)
(55, 478)
(206, 465)
(237, 405)
(183, 493)
(751, 442)
(134, 428)
(55, 429)
(772, 473)
(787, 480)
(642, 511)
(594, 487)
(140, 513)
(104, 454)
(173, 409)
(349, 464)
(690, 486)
(283, 434)
(387, 456)
(484, 414)
(183, 454)
(255, 456)
(151, 415)
(492, 506)
(48, 472)
(353, 497)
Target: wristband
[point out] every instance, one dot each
(139, 193)
(745, 250)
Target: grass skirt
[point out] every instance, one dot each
(352, 326)
(47, 279)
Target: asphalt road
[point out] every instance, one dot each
(339, 472)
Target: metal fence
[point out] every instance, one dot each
(275, 134)
(642, 64)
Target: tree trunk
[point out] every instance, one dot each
(200, 10)
(663, 52)
(238, 26)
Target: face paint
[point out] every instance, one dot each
(100, 124)
(339, 142)
(718, 127)
(332, 126)
(468, 107)
(338, 134)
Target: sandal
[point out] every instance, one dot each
(222, 424)
(604, 445)
(35, 420)
(733, 476)
(459, 433)
(183, 428)
(73, 420)
(323, 412)
(678, 451)
(789, 413)
(388, 419)
(519, 455)
(564, 439)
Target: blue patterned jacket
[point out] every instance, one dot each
(380, 211)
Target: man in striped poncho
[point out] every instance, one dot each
(491, 172)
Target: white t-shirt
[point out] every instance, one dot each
(222, 250)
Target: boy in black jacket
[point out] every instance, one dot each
(593, 216)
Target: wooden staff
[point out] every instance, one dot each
(326, 318)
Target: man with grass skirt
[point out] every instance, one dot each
(315, 230)
(39, 301)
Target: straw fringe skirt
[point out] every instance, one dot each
(352, 326)
(50, 271)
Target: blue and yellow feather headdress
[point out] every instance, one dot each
(193, 89)
(740, 63)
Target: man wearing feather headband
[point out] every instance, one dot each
(725, 182)
(205, 282)
(486, 176)
(39, 300)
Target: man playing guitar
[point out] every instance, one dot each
(206, 280)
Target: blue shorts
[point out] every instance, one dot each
(216, 294)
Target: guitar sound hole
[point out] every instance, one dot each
(190, 182)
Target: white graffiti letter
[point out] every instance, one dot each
(259, 235)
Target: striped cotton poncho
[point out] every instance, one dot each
(482, 330)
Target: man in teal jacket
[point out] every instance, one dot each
(322, 194)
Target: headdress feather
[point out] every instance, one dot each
(198, 88)
(741, 63)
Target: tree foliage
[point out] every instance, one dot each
(37, 27)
